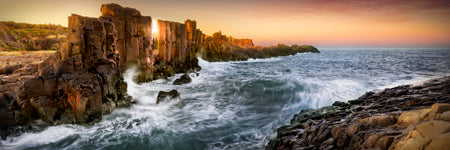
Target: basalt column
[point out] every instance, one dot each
(176, 48)
(134, 38)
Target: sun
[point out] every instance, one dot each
(154, 26)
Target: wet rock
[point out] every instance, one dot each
(182, 80)
(163, 96)
(376, 120)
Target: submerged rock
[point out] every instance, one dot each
(404, 117)
(163, 96)
(185, 78)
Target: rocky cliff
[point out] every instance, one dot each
(76, 85)
(404, 117)
(219, 47)
(83, 80)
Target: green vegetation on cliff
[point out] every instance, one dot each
(24, 36)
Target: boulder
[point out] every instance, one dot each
(413, 117)
(185, 78)
(440, 108)
(163, 96)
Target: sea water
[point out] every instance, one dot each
(240, 104)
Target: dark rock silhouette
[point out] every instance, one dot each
(163, 96)
(183, 80)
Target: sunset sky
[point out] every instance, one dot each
(316, 22)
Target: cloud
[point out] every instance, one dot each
(379, 10)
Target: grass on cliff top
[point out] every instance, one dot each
(22, 53)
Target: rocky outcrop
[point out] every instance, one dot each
(84, 80)
(76, 85)
(404, 117)
(182, 80)
(164, 96)
(219, 47)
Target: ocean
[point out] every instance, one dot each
(240, 104)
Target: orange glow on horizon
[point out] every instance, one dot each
(315, 22)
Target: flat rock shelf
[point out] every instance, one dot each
(404, 117)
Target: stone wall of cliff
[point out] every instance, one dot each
(76, 85)
(134, 38)
(176, 48)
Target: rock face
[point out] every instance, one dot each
(176, 48)
(134, 38)
(76, 85)
(404, 117)
(84, 80)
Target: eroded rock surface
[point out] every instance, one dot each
(404, 117)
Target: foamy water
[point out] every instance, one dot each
(239, 105)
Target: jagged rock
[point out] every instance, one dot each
(364, 124)
(163, 96)
(183, 80)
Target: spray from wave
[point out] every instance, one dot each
(238, 105)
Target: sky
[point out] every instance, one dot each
(268, 22)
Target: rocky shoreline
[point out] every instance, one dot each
(83, 80)
(403, 117)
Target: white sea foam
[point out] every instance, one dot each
(238, 104)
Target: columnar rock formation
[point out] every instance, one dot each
(134, 38)
(176, 48)
(84, 80)
(76, 85)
